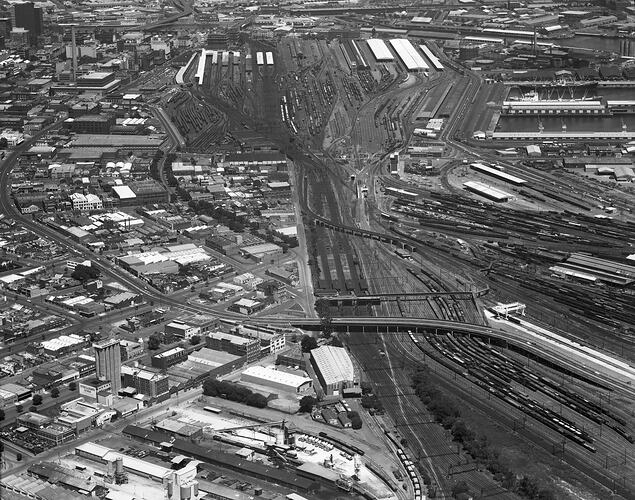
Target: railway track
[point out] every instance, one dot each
(592, 464)
(426, 438)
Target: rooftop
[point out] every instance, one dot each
(334, 364)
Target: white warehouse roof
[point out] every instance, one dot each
(124, 192)
(380, 50)
(334, 364)
(408, 54)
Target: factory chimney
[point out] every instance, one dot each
(74, 52)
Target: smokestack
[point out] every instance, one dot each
(74, 52)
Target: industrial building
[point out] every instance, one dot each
(276, 379)
(179, 484)
(334, 369)
(108, 362)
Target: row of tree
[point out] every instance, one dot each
(447, 413)
(233, 392)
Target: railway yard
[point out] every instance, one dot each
(333, 249)
(458, 233)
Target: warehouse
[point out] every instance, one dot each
(20, 393)
(409, 55)
(487, 191)
(260, 251)
(380, 50)
(334, 369)
(276, 379)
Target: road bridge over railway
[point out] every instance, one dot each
(396, 325)
(377, 299)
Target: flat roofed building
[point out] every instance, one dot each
(234, 344)
(334, 369)
(145, 381)
(93, 386)
(181, 330)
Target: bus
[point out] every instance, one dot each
(211, 409)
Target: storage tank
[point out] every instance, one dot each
(170, 488)
(119, 466)
(195, 489)
(186, 491)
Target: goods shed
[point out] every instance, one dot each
(487, 191)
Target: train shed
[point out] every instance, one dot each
(484, 169)
(408, 55)
(486, 191)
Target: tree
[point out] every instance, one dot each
(85, 273)
(460, 488)
(37, 400)
(323, 309)
(195, 340)
(2, 414)
(154, 342)
(72, 386)
(55, 392)
(307, 403)
(308, 343)
(4, 143)
(356, 420)
(18, 457)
